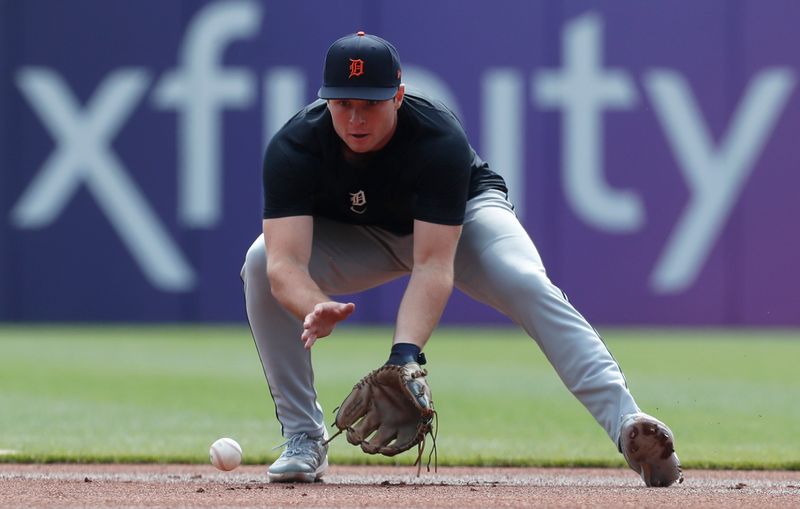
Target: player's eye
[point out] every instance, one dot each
(373, 103)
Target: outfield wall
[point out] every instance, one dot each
(652, 147)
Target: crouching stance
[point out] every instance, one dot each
(372, 183)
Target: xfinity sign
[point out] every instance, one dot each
(582, 89)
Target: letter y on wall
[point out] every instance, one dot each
(715, 176)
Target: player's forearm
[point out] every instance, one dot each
(423, 302)
(294, 289)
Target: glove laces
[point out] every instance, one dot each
(421, 447)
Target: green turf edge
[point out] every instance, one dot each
(487, 461)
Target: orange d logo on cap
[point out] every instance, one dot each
(356, 67)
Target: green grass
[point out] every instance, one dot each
(163, 394)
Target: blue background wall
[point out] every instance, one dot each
(651, 147)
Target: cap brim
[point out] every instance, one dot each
(366, 93)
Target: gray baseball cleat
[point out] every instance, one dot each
(305, 459)
(648, 446)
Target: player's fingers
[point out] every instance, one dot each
(344, 310)
(310, 342)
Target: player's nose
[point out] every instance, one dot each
(356, 116)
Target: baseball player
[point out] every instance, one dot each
(371, 183)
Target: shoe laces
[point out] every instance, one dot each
(299, 444)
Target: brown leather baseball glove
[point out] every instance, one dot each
(394, 403)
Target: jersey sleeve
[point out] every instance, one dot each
(288, 182)
(443, 184)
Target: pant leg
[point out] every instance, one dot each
(345, 259)
(497, 263)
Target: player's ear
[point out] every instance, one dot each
(398, 98)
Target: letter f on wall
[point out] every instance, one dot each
(199, 89)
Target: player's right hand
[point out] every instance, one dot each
(323, 319)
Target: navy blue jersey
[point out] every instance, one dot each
(427, 171)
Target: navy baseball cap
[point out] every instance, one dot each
(361, 66)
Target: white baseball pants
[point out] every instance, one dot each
(496, 263)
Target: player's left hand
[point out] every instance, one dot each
(323, 319)
(389, 411)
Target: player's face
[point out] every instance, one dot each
(365, 126)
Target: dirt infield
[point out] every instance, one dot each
(114, 486)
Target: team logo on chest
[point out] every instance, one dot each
(358, 202)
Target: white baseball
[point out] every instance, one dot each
(225, 454)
